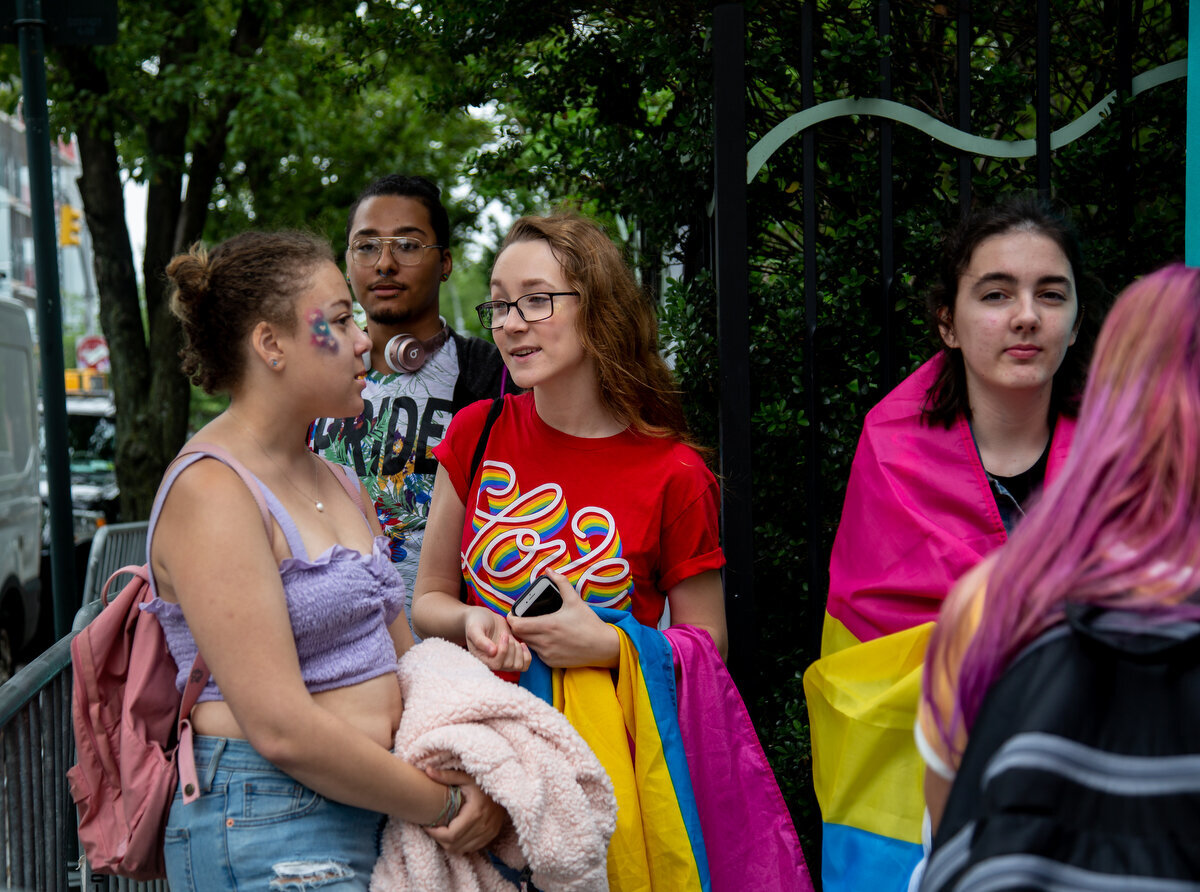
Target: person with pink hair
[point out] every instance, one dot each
(1114, 543)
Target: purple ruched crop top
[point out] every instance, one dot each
(340, 604)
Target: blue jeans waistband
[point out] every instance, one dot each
(229, 753)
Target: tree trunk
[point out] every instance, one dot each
(169, 391)
(141, 435)
(151, 394)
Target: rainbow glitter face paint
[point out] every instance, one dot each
(321, 335)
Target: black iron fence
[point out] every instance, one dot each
(893, 121)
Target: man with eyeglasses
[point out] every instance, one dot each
(421, 371)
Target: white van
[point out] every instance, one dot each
(20, 504)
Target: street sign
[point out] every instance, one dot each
(91, 352)
(68, 22)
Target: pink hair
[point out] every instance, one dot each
(1120, 525)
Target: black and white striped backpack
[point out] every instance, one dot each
(1082, 770)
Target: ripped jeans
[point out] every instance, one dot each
(253, 827)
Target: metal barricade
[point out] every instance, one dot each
(116, 545)
(38, 845)
(94, 882)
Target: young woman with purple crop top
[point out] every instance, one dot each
(300, 624)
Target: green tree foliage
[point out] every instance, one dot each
(608, 108)
(233, 113)
(157, 105)
(304, 145)
(1110, 179)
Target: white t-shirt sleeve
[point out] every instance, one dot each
(932, 760)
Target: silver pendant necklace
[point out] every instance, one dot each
(316, 498)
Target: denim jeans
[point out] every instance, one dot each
(254, 827)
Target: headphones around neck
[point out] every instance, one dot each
(407, 353)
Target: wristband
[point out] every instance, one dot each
(450, 809)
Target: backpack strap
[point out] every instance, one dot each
(476, 460)
(186, 759)
(226, 457)
(1095, 710)
(196, 682)
(178, 465)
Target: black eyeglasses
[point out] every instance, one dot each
(404, 250)
(531, 307)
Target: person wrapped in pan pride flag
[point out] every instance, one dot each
(590, 479)
(944, 468)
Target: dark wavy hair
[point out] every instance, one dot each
(421, 189)
(617, 324)
(947, 396)
(219, 297)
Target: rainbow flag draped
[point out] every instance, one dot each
(697, 804)
(918, 514)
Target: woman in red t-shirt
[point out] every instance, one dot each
(589, 477)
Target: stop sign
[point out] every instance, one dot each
(91, 352)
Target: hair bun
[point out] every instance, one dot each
(190, 274)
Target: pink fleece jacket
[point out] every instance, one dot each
(524, 754)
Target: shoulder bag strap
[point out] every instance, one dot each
(185, 757)
(476, 460)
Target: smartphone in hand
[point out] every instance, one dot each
(538, 599)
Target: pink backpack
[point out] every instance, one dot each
(131, 724)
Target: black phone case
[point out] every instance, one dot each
(540, 598)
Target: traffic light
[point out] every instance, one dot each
(69, 225)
